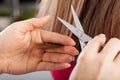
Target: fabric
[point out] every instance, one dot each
(63, 74)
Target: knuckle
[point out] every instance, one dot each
(86, 57)
(68, 58)
(104, 61)
(15, 23)
(81, 58)
(73, 51)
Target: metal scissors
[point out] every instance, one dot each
(78, 30)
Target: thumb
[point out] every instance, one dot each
(31, 24)
(38, 22)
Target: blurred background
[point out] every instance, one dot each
(16, 10)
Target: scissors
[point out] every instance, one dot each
(78, 30)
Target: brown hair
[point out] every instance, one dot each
(97, 16)
(64, 11)
(62, 8)
(59, 8)
(101, 16)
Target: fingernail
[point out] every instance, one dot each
(74, 43)
(77, 52)
(73, 59)
(68, 65)
(102, 35)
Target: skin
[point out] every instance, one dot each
(97, 62)
(23, 48)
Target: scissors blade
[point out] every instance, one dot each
(76, 19)
(78, 26)
(81, 35)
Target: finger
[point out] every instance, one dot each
(56, 57)
(38, 22)
(95, 44)
(111, 49)
(56, 38)
(64, 49)
(52, 66)
(31, 24)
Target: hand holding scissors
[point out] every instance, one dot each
(95, 63)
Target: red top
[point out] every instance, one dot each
(63, 74)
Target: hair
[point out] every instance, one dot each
(45, 8)
(96, 16)
(60, 8)
(101, 16)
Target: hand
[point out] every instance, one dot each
(22, 48)
(95, 63)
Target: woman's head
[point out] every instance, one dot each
(59, 8)
(97, 16)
